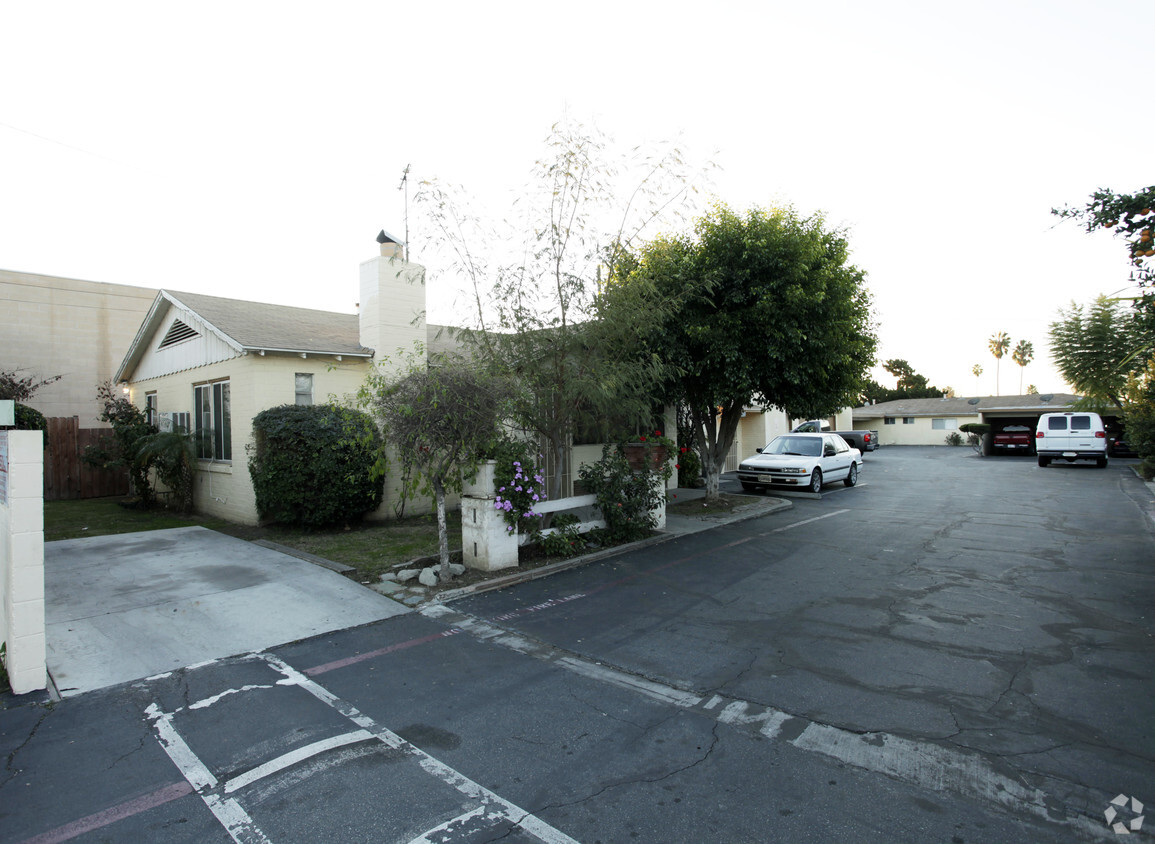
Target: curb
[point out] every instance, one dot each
(773, 505)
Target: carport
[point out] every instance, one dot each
(129, 606)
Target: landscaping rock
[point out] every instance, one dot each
(387, 587)
(413, 600)
(456, 569)
(390, 575)
(405, 575)
(428, 577)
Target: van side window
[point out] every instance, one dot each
(1057, 423)
(1080, 423)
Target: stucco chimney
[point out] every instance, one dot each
(390, 246)
(391, 314)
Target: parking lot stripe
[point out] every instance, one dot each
(294, 757)
(503, 808)
(228, 811)
(353, 660)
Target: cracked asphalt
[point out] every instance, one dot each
(959, 649)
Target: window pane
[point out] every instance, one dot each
(1057, 423)
(1080, 423)
(304, 387)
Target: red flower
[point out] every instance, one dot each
(683, 450)
(657, 433)
(642, 439)
(677, 465)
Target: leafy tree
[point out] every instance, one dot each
(14, 387)
(118, 449)
(444, 419)
(999, 343)
(539, 319)
(977, 370)
(1023, 354)
(173, 456)
(765, 310)
(910, 384)
(1132, 218)
(1139, 417)
(1094, 348)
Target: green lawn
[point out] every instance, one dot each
(370, 548)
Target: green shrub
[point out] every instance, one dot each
(954, 438)
(311, 465)
(565, 541)
(689, 467)
(30, 419)
(625, 498)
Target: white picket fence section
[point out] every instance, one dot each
(575, 502)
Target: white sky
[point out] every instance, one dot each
(254, 149)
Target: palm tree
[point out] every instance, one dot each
(999, 344)
(977, 370)
(1023, 354)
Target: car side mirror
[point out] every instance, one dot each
(758, 450)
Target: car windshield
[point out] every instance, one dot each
(804, 446)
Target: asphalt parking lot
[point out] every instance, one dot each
(957, 649)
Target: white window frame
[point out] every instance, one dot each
(944, 423)
(303, 396)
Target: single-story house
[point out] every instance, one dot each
(930, 421)
(210, 363)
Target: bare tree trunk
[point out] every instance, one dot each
(445, 574)
(717, 437)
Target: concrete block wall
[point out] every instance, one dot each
(78, 329)
(22, 559)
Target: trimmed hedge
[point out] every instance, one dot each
(312, 465)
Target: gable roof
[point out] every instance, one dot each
(966, 406)
(252, 327)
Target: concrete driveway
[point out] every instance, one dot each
(124, 607)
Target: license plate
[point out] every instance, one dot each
(766, 479)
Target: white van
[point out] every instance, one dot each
(1074, 435)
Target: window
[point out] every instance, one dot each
(944, 424)
(888, 420)
(1080, 423)
(150, 408)
(1057, 423)
(908, 420)
(213, 421)
(304, 387)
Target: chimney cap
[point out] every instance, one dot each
(384, 237)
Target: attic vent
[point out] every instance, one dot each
(178, 333)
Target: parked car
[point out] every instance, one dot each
(1117, 445)
(1015, 438)
(864, 441)
(1071, 436)
(806, 460)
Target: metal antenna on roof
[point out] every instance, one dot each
(405, 185)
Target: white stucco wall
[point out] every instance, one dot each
(919, 432)
(255, 383)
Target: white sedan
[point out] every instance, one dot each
(809, 460)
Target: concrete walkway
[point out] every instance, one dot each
(129, 606)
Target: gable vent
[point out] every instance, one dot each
(178, 333)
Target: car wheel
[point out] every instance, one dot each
(816, 481)
(749, 487)
(852, 475)
(1044, 462)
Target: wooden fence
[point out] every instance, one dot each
(66, 476)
